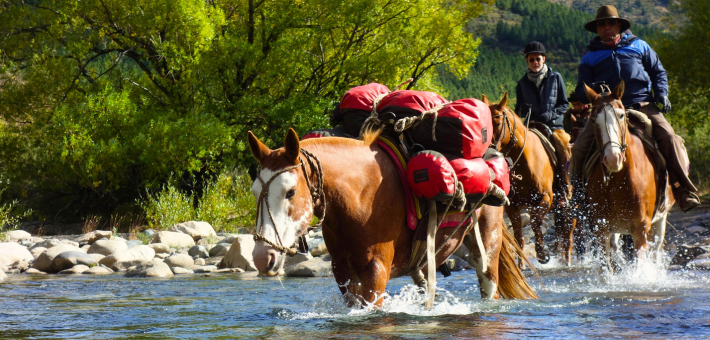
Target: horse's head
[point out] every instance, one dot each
(284, 204)
(501, 121)
(611, 128)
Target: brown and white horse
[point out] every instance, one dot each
(362, 205)
(531, 180)
(622, 187)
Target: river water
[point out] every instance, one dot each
(578, 302)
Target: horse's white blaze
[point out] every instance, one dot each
(286, 225)
(608, 125)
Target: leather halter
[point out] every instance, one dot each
(316, 191)
(622, 132)
(512, 140)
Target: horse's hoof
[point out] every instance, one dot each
(543, 258)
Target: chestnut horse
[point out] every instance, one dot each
(354, 188)
(531, 181)
(622, 187)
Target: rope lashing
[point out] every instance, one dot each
(410, 122)
(373, 121)
(316, 192)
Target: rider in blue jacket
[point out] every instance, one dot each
(618, 54)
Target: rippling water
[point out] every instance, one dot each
(578, 302)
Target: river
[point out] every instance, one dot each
(578, 302)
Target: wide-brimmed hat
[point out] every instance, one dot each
(607, 12)
(534, 47)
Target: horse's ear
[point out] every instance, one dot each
(258, 149)
(292, 145)
(504, 100)
(591, 95)
(484, 99)
(619, 90)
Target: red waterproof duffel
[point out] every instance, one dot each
(431, 176)
(408, 103)
(356, 106)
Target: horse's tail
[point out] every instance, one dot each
(511, 281)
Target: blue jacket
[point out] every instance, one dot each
(631, 60)
(549, 102)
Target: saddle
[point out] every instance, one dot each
(545, 135)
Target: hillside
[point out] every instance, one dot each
(507, 25)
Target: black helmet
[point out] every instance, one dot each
(534, 47)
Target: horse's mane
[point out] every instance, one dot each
(369, 137)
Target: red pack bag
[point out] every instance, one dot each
(431, 176)
(356, 106)
(408, 103)
(501, 169)
(463, 128)
(474, 176)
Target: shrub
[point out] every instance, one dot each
(167, 208)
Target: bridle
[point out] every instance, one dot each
(622, 132)
(513, 140)
(316, 191)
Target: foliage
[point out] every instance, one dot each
(218, 203)
(99, 100)
(9, 215)
(168, 207)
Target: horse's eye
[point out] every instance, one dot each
(290, 194)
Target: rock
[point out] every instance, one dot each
(20, 265)
(459, 264)
(98, 270)
(296, 259)
(198, 262)
(11, 252)
(220, 249)
(34, 271)
(71, 243)
(229, 270)
(78, 269)
(687, 253)
(462, 252)
(94, 236)
(524, 219)
(199, 251)
(174, 239)
(45, 260)
(142, 252)
(205, 269)
(312, 268)
(86, 248)
(180, 260)
(161, 256)
(150, 269)
(123, 266)
(28, 244)
(70, 259)
(700, 263)
(214, 261)
(229, 239)
(48, 243)
(107, 247)
(160, 248)
(134, 243)
(696, 229)
(196, 229)
(148, 232)
(36, 251)
(2, 275)
(239, 254)
(529, 251)
(319, 250)
(18, 236)
(181, 270)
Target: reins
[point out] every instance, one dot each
(512, 140)
(316, 192)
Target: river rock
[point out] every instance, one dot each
(204, 269)
(239, 254)
(94, 236)
(160, 248)
(687, 253)
(34, 271)
(213, 261)
(2, 275)
(229, 239)
(98, 270)
(97, 257)
(107, 247)
(142, 252)
(181, 270)
(180, 260)
(11, 252)
(150, 269)
(696, 229)
(70, 242)
(37, 251)
(319, 250)
(199, 262)
(78, 269)
(45, 260)
(27, 243)
(296, 259)
(220, 249)
(18, 236)
(700, 263)
(315, 267)
(174, 239)
(48, 243)
(229, 270)
(133, 243)
(199, 251)
(196, 229)
(123, 266)
(70, 259)
(20, 265)
(161, 256)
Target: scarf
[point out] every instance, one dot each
(614, 42)
(537, 77)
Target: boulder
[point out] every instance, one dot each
(174, 239)
(20, 265)
(196, 229)
(220, 249)
(148, 232)
(296, 259)
(199, 262)
(133, 243)
(48, 243)
(94, 236)
(34, 271)
(239, 254)
(687, 253)
(180, 260)
(78, 269)
(107, 247)
(97, 257)
(313, 268)
(181, 270)
(36, 251)
(98, 270)
(127, 265)
(28, 244)
(199, 251)
(45, 260)
(161, 256)
(160, 248)
(11, 252)
(69, 242)
(150, 269)
(696, 229)
(229, 239)
(700, 263)
(70, 259)
(205, 269)
(214, 261)
(18, 236)
(86, 248)
(142, 252)
(319, 250)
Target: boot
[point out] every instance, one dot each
(686, 200)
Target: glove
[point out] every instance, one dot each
(663, 100)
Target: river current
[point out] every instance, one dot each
(578, 302)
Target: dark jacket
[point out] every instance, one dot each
(631, 60)
(549, 102)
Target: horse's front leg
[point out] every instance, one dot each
(373, 281)
(537, 214)
(564, 232)
(490, 224)
(641, 239)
